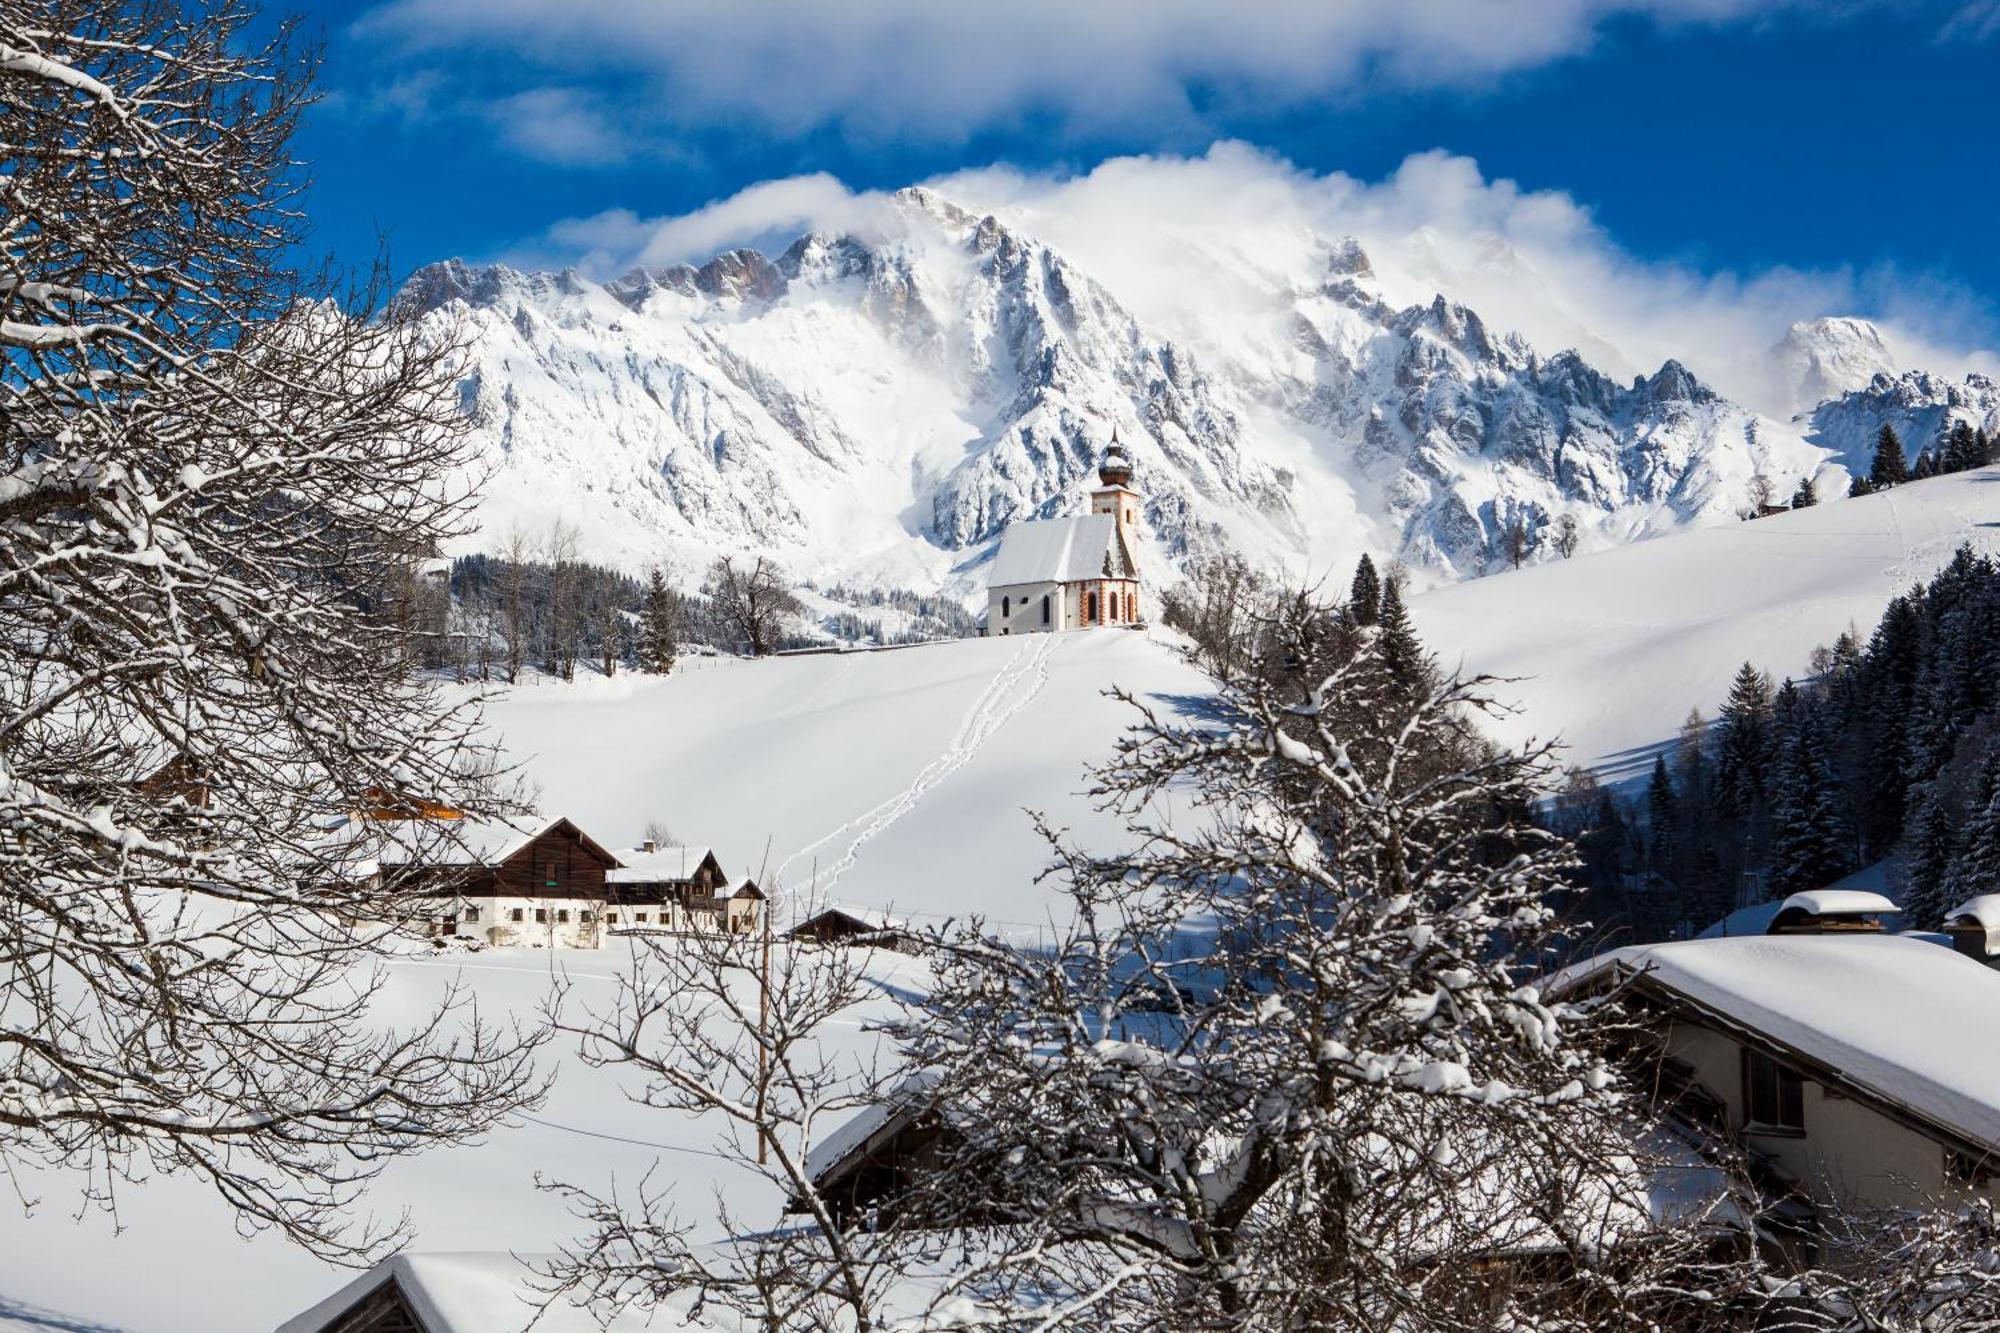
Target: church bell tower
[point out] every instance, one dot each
(1114, 494)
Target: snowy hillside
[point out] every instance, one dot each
(877, 408)
(1613, 649)
(897, 780)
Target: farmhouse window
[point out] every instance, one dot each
(549, 880)
(514, 915)
(562, 915)
(472, 914)
(640, 918)
(611, 918)
(1773, 1094)
(542, 915)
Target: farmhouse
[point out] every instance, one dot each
(678, 888)
(1071, 573)
(504, 882)
(1845, 1058)
(861, 927)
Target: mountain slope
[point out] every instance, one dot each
(879, 408)
(1613, 649)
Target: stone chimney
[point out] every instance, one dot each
(649, 845)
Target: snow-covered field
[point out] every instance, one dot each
(1613, 649)
(901, 779)
(898, 780)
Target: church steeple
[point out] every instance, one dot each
(1116, 469)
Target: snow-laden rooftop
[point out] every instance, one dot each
(1897, 1014)
(637, 866)
(1984, 909)
(1053, 550)
(474, 1292)
(1838, 902)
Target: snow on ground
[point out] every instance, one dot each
(897, 780)
(179, 1267)
(1614, 648)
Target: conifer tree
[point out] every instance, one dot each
(1858, 486)
(1927, 466)
(1889, 467)
(1743, 751)
(1962, 449)
(659, 626)
(1402, 652)
(1930, 857)
(1806, 496)
(1810, 843)
(1364, 598)
(1975, 865)
(1662, 813)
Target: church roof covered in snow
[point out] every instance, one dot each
(1055, 550)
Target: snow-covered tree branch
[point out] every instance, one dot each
(213, 481)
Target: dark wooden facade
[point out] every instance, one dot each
(384, 1310)
(562, 861)
(834, 926)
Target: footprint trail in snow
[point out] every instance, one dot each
(1013, 686)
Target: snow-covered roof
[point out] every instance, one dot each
(871, 1124)
(637, 866)
(1053, 550)
(871, 917)
(1837, 902)
(472, 1292)
(1890, 1013)
(1985, 909)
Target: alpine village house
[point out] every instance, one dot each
(1071, 573)
(549, 884)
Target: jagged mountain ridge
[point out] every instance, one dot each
(878, 409)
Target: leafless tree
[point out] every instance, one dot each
(1343, 1107)
(1567, 535)
(1219, 605)
(1514, 540)
(565, 615)
(515, 554)
(727, 1028)
(751, 602)
(1760, 494)
(211, 474)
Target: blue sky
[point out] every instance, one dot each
(1730, 137)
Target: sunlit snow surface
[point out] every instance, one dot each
(1613, 649)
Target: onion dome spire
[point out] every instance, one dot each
(1116, 469)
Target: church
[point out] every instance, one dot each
(1071, 573)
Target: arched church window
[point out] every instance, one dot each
(1045, 608)
(1006, 605)
(1090, 609)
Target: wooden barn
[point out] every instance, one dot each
(857, 927)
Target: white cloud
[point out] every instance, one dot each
(1200, 246)
(938, 71)
(559, 125)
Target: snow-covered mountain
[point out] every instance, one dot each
(1818, 359)
(878, 408)
(1921, 406)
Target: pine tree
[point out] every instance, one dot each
(1975, 865)
(1810, 843)
(1889, 467)
(1662, 815)
(1930, 859)
(1743, 750)
(1961, 449)
(659, 626)
(1402, 652)
(1927, 466)
(1364, 598)
(1806, 496)
(1858, 486)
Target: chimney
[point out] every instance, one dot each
(649, 845)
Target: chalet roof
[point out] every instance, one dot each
(1837, 902)
(872, 1126)
(662, 865)
(1054, 550)
(1980, 914)
(867, 918)
(470, 1292)
(1896, 1016)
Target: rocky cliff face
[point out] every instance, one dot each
(879, 409)
(1921, 406)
